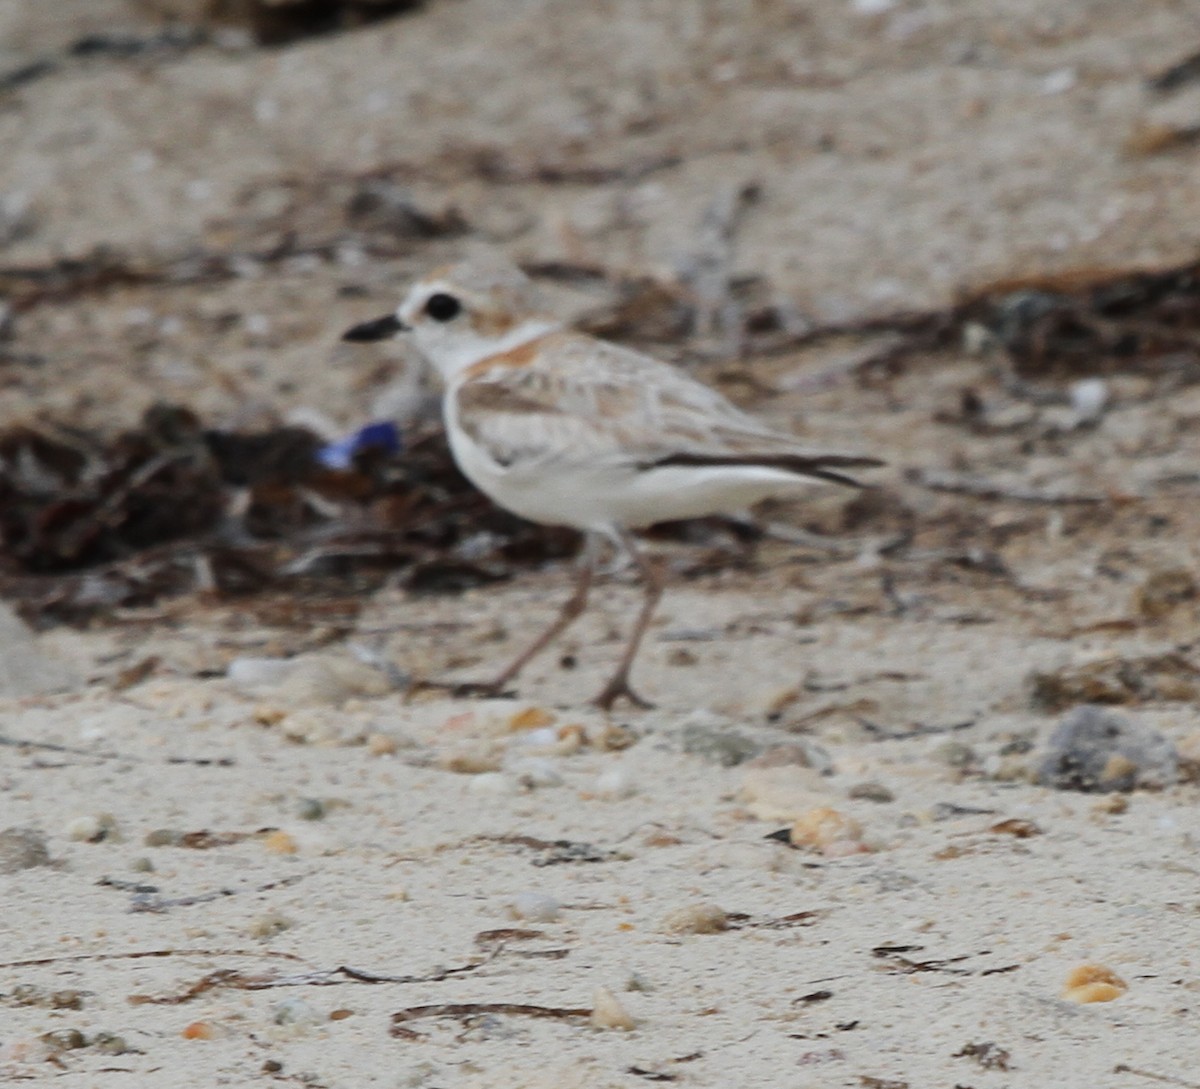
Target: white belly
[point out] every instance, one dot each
(603, 496)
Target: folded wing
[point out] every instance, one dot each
(585, 401)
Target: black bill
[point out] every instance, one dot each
(379, 329)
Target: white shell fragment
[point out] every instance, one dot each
(608, 1013)
(536, 907)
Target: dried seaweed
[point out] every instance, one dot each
(465, 1011)
(1095, 321)
(1177, 75)
(559, 851)
(989, 1055)
(88, 525)
(280, 22)
(329, 977)
(1170, 677)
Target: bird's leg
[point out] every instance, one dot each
(571, 610)
(653, 579)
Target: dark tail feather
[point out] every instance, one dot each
(820, 466)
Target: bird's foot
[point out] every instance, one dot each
(619, 688)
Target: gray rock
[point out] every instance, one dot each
(1093, 749)
(717, 744)
(871, 792)
(22, 849)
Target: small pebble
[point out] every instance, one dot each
(1164, 591)
(295, 1011)
(803, 754)
(696, 919)
(537, 772)
(470, 761)
(64, 1040)
(871, 792)
(92, 828)
(330, 682)
(615, 783)
(26, 1049)
(608, 1013)
(109, 1043)
(495, 783)
(781, 793)
(1016, 826)
(827, 830)
(259, 672)
(1058, 81)
(31, 994)
(536, 907)
(954, 754)
(545, 737)
(280, 842)
(1089, 397)
(311, 809)
(1113, 805)
(608, 738)
(779, 701)
(1093, 983)
(531, 718)
(268, 925)
(163, 837)
(725, 747)
(142, 865)
(1006, 769)
(22, 849)
(200, 1030)
(382, 744)
(324, 726)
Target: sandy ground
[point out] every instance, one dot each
(231, 855)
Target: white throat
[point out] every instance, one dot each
(453, 354)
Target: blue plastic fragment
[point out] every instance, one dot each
(383, 436)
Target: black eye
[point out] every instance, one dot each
(442, 307)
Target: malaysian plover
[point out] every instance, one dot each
(568, 430)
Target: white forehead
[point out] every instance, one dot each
(492, 284)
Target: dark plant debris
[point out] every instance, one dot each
(559, 851)
(331, 977)
(990, 1056)
(1169, 677)
(650, 1074)
(89, 524)
(465, 1012)
(1095, 321)
(279, 22)
(1177, 75)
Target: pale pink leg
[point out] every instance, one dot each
(652, 580)
(571, 610)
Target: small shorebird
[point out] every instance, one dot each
(568, 430)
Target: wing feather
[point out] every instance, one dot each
(583, 400)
